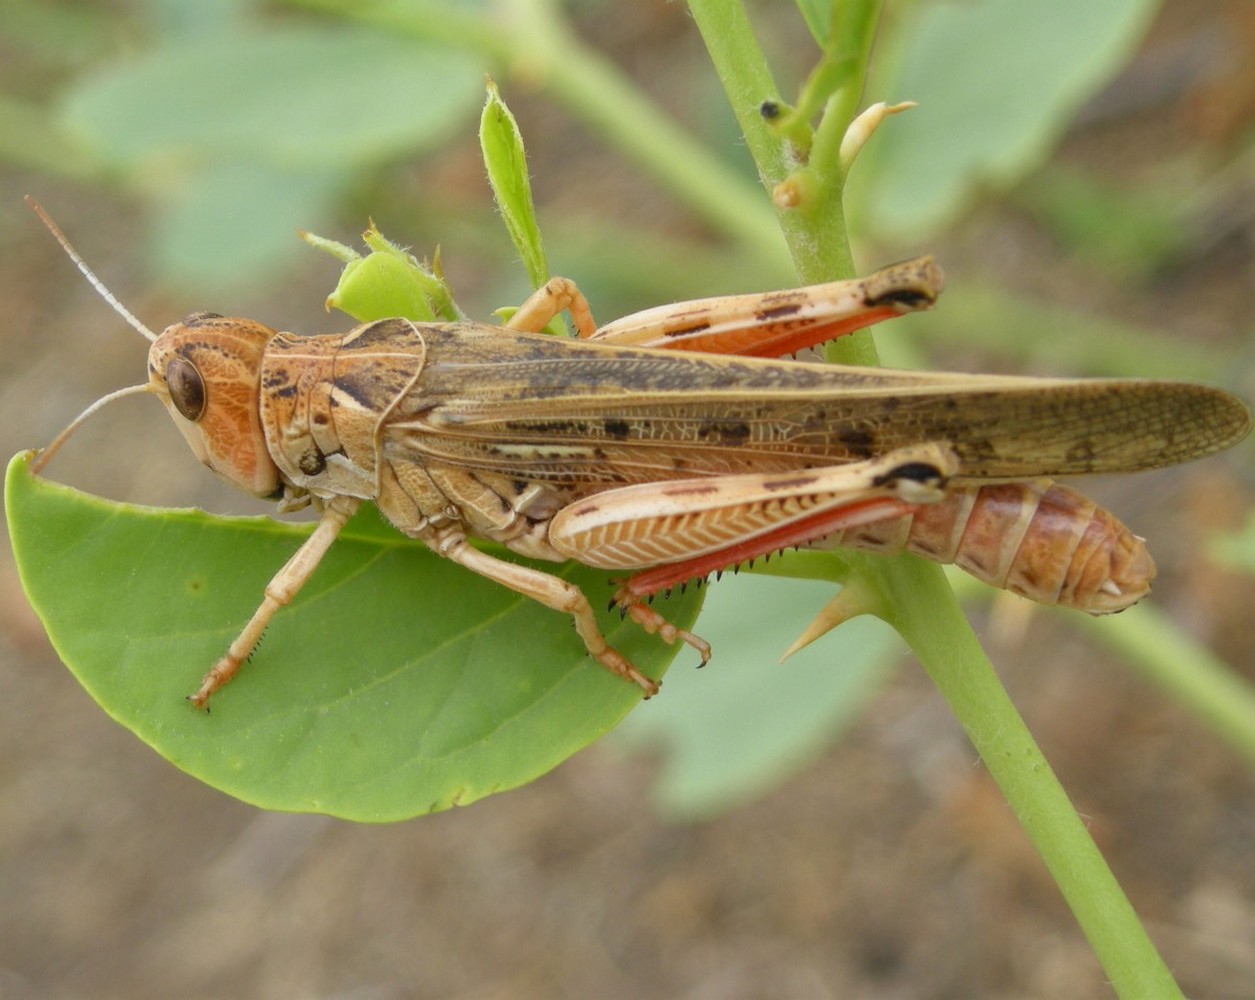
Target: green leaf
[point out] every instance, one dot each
(250, 136)
(387, 282)
(230, 224)
(506, 160)
(394, 685)
(997, 83)
(724, 743)
(818, 15)
(299, 95)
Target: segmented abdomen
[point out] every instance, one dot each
(1038, 539)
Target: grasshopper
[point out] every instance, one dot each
(669, 445)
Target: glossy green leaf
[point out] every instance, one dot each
(394, 685)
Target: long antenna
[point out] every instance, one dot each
(45, 454)
(90, 275)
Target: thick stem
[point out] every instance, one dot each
(928, 617)
(922, 606)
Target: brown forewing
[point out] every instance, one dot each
(588, 415)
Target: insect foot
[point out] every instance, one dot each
(620, 665)
(655, 624)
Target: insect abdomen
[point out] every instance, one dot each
(1038, 539)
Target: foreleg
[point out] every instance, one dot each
(550, 299)
(279, 592)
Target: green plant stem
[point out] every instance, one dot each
(920, 604)
(930, 620)
(814, 231)
(853, 33)
(820, 252)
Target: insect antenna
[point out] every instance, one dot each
(87, 272)
(46, 454)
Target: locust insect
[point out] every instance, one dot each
(658, 446)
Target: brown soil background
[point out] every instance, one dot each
(888, 868)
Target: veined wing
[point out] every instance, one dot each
(569, 411)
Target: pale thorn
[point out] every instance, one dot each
(854, 599)
(861, 129)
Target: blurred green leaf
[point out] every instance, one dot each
(251, 136)
(394, 685)
(997, 84)
(818, 16)
(1046, 338)
(232, 224)
(181, 21)
(746, 722)
(298, 96)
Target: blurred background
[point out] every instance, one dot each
(1087, 179)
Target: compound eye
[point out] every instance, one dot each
(187, 388)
